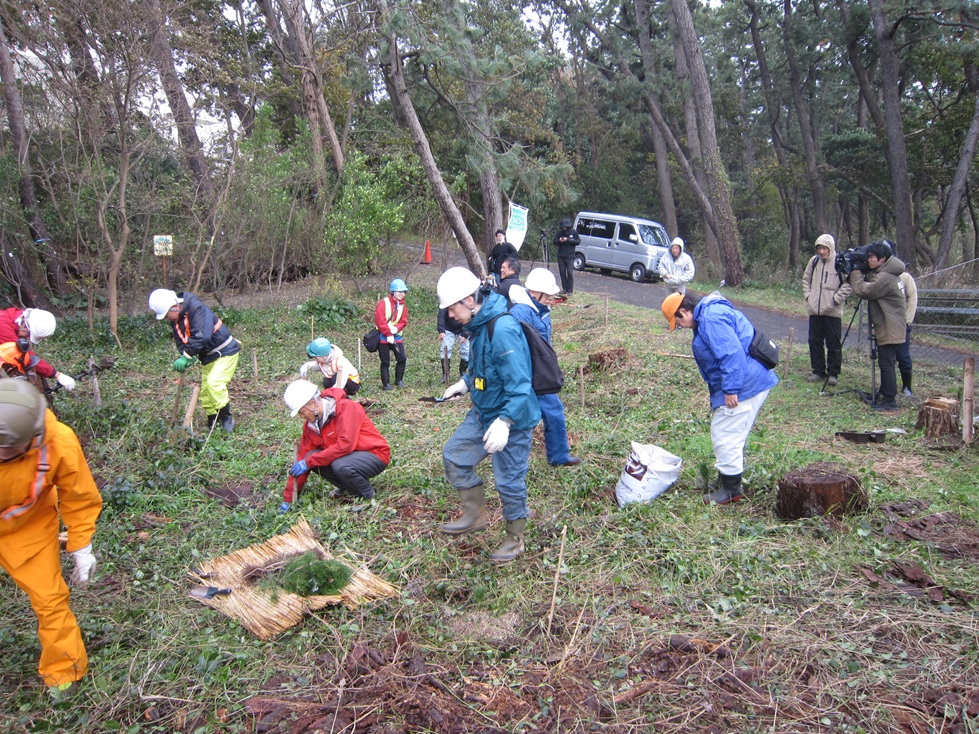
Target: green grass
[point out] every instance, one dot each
(670, 616)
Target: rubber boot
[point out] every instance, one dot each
(399, 374)
(463, 367)
(225, 419)
(210, 420)
(474, 516)
(730, 490)
(512, 544)
(386, 377)
(906, 383)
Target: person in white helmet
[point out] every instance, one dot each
(339, 442)
(44, 482)
(503, 415)
(201, 335)
(30, 325)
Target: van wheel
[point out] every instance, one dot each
(638, 273)
(579, 261)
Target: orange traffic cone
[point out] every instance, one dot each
(427, 257)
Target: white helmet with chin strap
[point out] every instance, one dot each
(298, 394)
(40, 323)
(454, 285)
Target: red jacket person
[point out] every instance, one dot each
(31, 325)
(45, 481)
(339, 442)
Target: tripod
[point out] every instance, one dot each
(856, 310)
(543, 247)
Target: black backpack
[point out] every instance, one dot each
(548, 379)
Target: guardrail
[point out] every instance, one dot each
(952, 312)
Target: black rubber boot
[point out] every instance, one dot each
(730, 490)
(906, 383)
(399, 374)
(386, 377)
(463, 367)
(210, 420)
(225, 419)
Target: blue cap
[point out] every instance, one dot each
(398, 286)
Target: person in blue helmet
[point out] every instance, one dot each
(503, 415)
(328, 361)
(738, 383)
(391, 318)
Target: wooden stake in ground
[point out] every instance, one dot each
(176, 403)
(606, 313)
(255, 363)
(191, 407)
(968, 395)
(96, 394)
(312, 328)
(557, 578)
(581, 383)
(788, 352)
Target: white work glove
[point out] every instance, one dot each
(456, 388)
(66, 381)
(306, 367)
(390, 339)
(496, 436)
(84, 565)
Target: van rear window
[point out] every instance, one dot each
(596, 228)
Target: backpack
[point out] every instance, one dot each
(548, 379)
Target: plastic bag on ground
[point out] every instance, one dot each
(649, 471)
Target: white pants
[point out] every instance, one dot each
(729, 429)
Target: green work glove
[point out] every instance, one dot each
(182, 362)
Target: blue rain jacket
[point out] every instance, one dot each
(499, 376)
(721, 335)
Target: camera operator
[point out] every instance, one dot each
(880, 287)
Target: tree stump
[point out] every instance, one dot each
(939, 417)
(819, 489)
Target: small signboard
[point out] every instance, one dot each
(162, 244)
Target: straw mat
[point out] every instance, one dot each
(269, 612)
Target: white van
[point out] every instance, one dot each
(615, 242)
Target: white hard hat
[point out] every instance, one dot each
(541, 280)
(454, 285)
(299, 393)
(161, 301)
(40, 323)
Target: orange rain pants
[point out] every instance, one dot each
(29, 548)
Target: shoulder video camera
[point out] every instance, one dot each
(856, 258)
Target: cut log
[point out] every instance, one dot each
(819, 489)
(939, 417)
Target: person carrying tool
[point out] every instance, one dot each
(200, 334)
(531, 305)
(503, 414)
(450, 331)
(738, 383)
(44, 481)
(391, 318)
(29, 326)
(339, 442)
(336, 369)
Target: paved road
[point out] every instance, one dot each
(619, 287)
(650, 295)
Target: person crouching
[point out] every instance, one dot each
(339, 442)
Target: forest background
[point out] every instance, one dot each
(279, 138)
